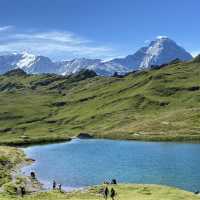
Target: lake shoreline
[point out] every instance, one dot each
(30, 142)
(47, 141)
(107, 144)
(28, 160)
(144, 137)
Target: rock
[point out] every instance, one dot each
(84, 136)
(30, 160)
(59, 104)
(25, 137)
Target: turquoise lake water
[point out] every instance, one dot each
(81, 163)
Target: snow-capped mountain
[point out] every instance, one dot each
(39, 64)
(28, 62)
(163, 50)
(36, 64)
(160, 51)
(73, 66)
(97, 65)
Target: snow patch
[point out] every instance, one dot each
(26, 60)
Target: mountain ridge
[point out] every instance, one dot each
(160, 51)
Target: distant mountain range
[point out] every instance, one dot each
(160, 51)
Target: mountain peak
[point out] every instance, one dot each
(163, 50)
(160, 37)
(160, 51)
(162, 40)
(26, 60)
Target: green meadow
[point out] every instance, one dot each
(157, 104)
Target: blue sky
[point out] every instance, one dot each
(64, 29)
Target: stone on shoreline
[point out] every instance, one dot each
(84, 136)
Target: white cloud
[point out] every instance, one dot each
(5, 28)
(55, 44)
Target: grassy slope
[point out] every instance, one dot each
(159, 104)
(128, 192)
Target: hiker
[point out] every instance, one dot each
(112, 194)
(15, 190)
(114, 182)
(196, 192)
(60, 187)
(33, 175)
(54, 184)
(23, 191)
(106, 193)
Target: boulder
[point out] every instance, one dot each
(84, 136)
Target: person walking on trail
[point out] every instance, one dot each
(114, 182)
(54, 185)
(112, 194)
(106, 193)
(33, 176)
(60, 187)
(23, 191)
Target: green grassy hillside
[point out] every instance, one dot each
(158, 104)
